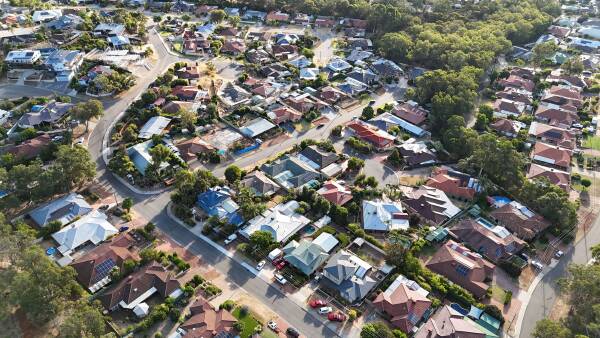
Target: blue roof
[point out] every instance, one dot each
(218, 202)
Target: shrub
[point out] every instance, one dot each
(238, 326)
(507, 296)
(352, 315)
(494, 311)
(244, 311)
(227, 305)
(174, 314)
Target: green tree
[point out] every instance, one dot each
(573, 66)
(217, 15)
(376, 330)
(458, 139)
(367, 113)
(233, 174)
(83, 320)
(234, 20)
(395, 46)
(188, 119)
(586, 182)
(127, 204)
(542, 51)
(74, 166)
(85, 111)
(355, 163)
(261, 240)
(547, 328)
(160, 153)
(248, 206)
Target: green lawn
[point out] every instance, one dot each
(249, 322)
(592, 142)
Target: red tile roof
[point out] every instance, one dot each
(30, 148)
(552, 155)
(555, 176)
(206, 321)
(411, 112)
(517, 82)
(335, 193)
(454, 186)
(405, 306)
(372, 134)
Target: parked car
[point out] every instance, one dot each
(558, 254)
(292, 332)
(273, 326)
(276, 261)
(537, 265)
(325, 310)
(260, 265)
(336, 317)
(280, 279)
(280, 265)
(315, 303)
(230, 239)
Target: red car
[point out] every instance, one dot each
(276, 261)
(280, 265)
(336, 316)
(315, 303)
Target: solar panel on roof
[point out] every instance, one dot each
(104, 268)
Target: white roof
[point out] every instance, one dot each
(47, 14)
(141, 310)
(326, 241)
(94, 227)
(256, 127)
(154, 126)
(379, 216)
(282, 221)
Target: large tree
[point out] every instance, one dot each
(83, 320)
(73, 166)
(88, 110)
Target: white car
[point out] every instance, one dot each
(280, 279)
(272, 325)
(325, 310)
(558, 254)
(260, 265)
(537, 265)
(230, 239)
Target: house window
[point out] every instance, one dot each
(498, 252)
(463, 270)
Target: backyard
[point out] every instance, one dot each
(247, 319)
(592, 142)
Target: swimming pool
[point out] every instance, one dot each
(309, 230)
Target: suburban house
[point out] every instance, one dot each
(387, 68)
(516, 81)
(46, 15)
(506, 127)
(64, 63)
(141, 158)
(186, 93)
(93, 227)
(380, 139)
(154, 126)
(417, 154)
(551, 155)
(383, 215)
(516, 95)
(51, 113)
(521, 221)
(563, 95)
(64, 210)
(492, 241)
(260, 184)
(22, 57)
(233, 47)
(206, 321)
(411, 112)
(335, 192)
(307, 256)
(316, 157)
(555, 176)
(449, 323)
(553, 135)
(256, 127)
(218, 202)
(189, 72)
(348, 275)
(233, 95)
(189, 149)
(463, 267)
(555, 115)
(30, 148)
(290, 172)
(431, 204)
(94, 268)
(386, 120)
(131, 292)
(109, 29)
(282, 221)
(505, 108)
(284, 114)
(454, 183)
(405, 302)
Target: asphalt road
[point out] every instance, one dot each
(153, 207)
(545, 294)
